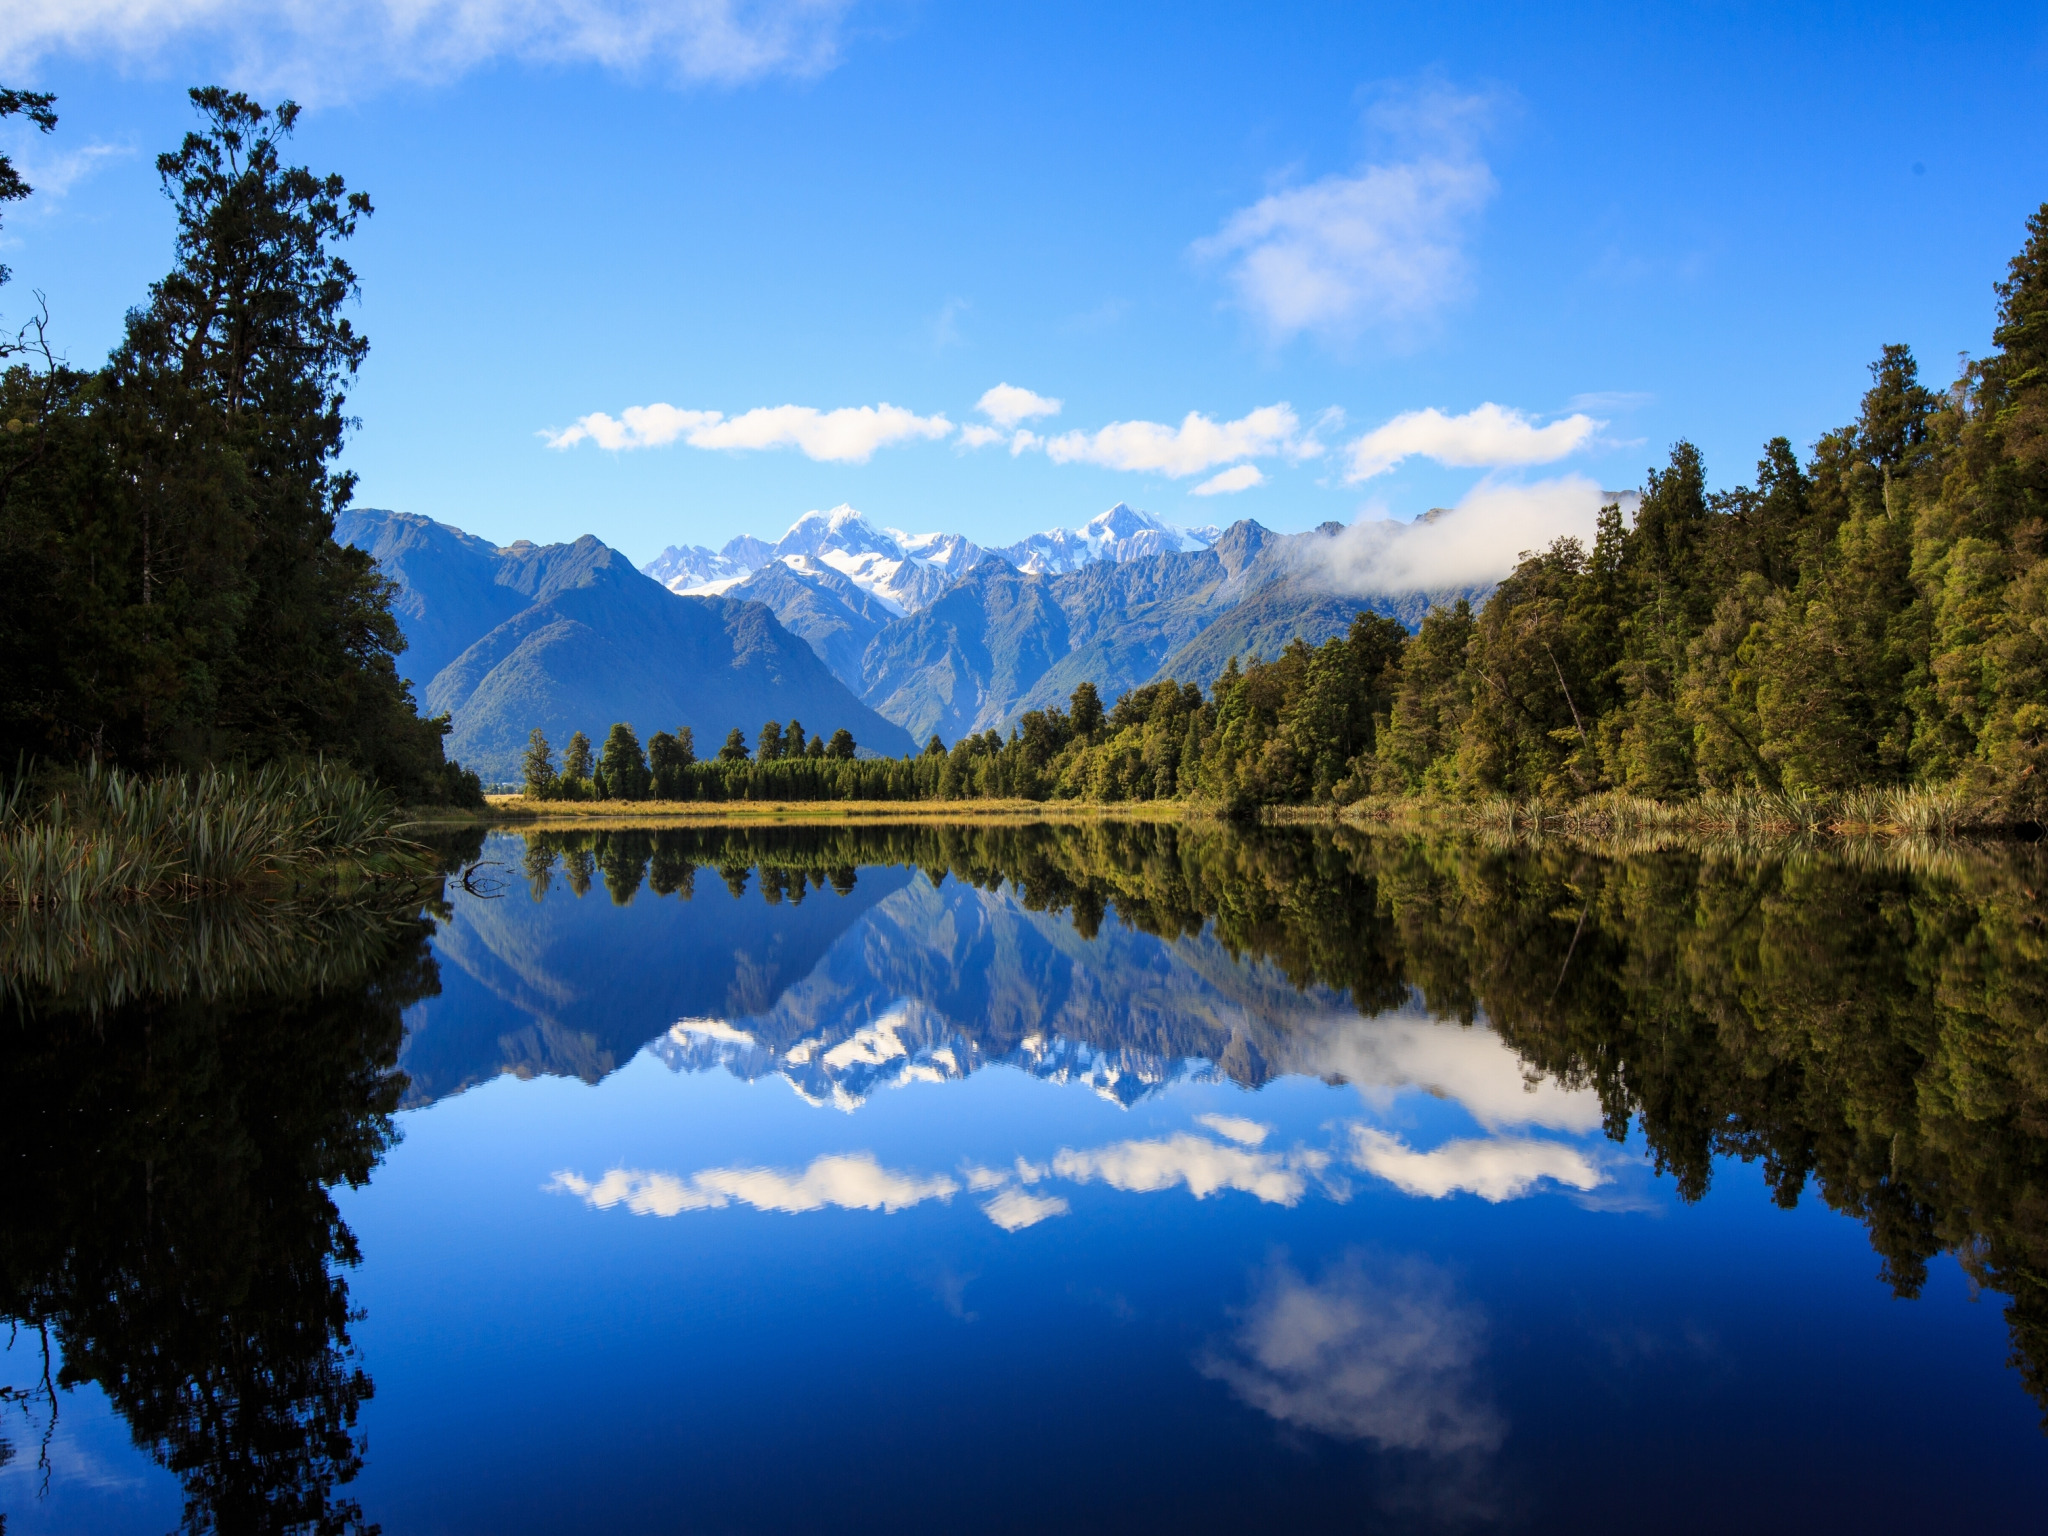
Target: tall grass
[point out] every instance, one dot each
(100, 833)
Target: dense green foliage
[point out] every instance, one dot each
(171, 594)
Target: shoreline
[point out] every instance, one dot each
(1599, 818)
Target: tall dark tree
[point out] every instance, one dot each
(174, 514)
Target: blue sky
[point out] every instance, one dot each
(1616, 227)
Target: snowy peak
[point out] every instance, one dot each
(1121, 533)
(902, 571)
(692, 568)
(907, 571)
(840, 531)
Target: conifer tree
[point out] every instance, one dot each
(541, 780)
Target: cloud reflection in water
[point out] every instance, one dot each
(1388, 1359)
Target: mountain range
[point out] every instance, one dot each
(942, 636)
(895, 636)
(571, 637)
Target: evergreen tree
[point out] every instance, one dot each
(1084, 708)
(541, 780)
(576, 766)
(169, 520)
(769, 747)
(840, 747)
(623, 768)
(735, 748)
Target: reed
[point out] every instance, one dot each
(100, 833)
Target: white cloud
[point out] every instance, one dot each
(853, 1181)
(1488, 436)
(1472, 544)
(1202, 1165)
(1015, 1209)
(52, 171)
(1245, 1132)
(1493, 1168)
(975, 435)
(1382, 246)
(1006, 405)
(1360, 1358)
(1195, 446)
(1242, 478)
(324, 49)
(846, 436)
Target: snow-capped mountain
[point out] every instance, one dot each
(904, 572)
(704, 572)
(907, 571)
(1121, 533)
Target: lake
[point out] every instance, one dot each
(1097, 1177)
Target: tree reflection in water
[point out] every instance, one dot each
(181, 1101)
(186, 1088)
(1871, 1018)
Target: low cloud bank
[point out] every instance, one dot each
(1472, 544)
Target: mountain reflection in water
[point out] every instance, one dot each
(1868, 1021)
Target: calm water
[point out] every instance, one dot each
(1113, 1178)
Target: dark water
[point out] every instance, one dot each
(1000, 1179)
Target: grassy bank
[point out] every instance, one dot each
(101, 834)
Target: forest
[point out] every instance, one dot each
(171, 594)
(1874, 618)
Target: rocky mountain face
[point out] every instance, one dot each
(570, 637)
(940, 636)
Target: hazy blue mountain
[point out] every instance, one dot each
(570, 637)
(448, 587)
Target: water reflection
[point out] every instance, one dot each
(1874, 1021)
(198, 1083)
(176, 1120)
(1388, 1357)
